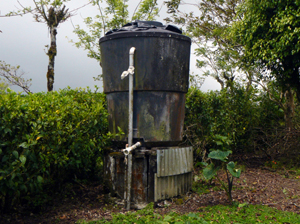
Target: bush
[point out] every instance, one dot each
(47, 138)
(239, 114)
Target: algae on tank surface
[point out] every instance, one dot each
(146, 124)
(161, 132)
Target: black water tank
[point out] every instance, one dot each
(161, 80)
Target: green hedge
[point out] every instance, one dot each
(47, 138)
(239, 115)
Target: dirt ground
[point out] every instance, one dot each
(257, 185)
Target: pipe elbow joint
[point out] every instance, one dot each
(132, 50)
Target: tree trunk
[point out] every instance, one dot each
(289, 108)
(51, 54)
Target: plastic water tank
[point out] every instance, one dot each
(161, 81)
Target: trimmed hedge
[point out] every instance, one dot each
(47, 138)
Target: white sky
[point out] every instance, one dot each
(22, 42)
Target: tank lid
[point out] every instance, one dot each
(145, 29)
(145, 25)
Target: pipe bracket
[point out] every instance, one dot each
(130, 71)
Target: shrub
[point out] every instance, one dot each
(47, 138)
(227, 113)
(245, 117)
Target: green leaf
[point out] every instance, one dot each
(40, 179)
(201, 164)
(168, 218)
(193, 215)
(22, 159)
(23, 188)
(243, 205)
(210, 171)
(24, 145)
(16, 154)
(219, 155)
(234, 172)
(6, 130)
(219, 143)
(5, 158)
(0, 151)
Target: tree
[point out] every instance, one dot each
(269, 31)
(52, 13)
(12, 76)
(219, 56)
(114, 15)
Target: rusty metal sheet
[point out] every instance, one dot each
(115, 173)
(139, 188)
(174, 161)
(111, 169)
(119, 176)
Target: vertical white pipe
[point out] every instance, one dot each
(130, 121)
(130, 125)
(129, 179)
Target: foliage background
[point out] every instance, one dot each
(50, 139)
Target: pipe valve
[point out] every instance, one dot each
(129, 150)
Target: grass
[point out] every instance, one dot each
(215, 214)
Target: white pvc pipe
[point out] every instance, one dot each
(129, 150)
(130, 124)
(131, 72)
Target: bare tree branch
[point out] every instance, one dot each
(14, 77)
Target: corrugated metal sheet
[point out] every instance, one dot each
(174, 172)
(170, 186)
(174, 161)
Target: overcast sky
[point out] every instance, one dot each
(22, 42)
